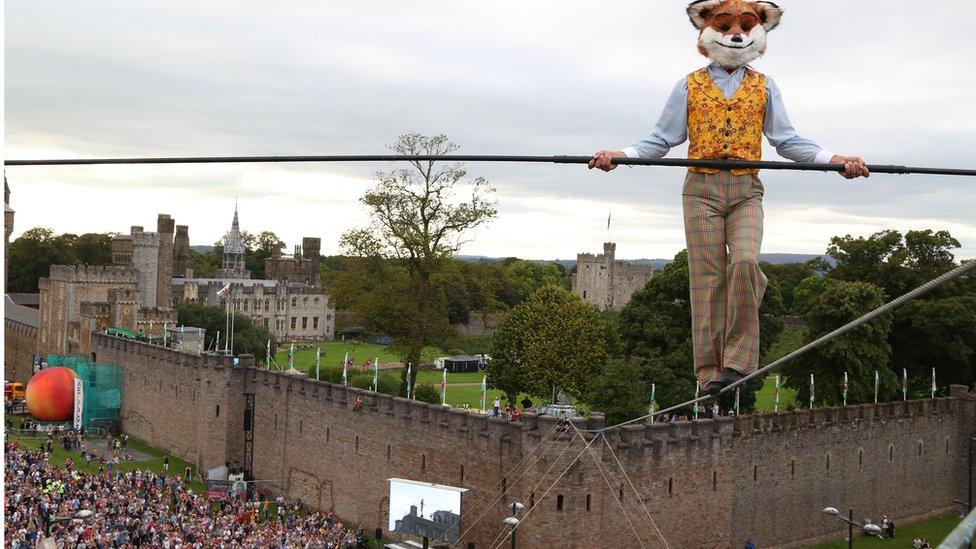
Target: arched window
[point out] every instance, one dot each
(294, 302)
(267, 304)
(316, 302)
(305, 303)
(245, 304)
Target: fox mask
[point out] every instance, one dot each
(733, 32)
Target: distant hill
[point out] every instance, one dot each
(202, 248)
(773, 258)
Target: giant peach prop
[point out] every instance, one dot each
(50, 394)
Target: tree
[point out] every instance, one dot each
(786, 277)
(551, 341)
(808, 289)
(883, 259)
(249, 338)
(32, 254)
(859, 352)
(937, 333)
(528, 276)
(417, 218)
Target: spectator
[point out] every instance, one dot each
(166, 463)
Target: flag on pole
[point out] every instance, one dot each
(267, 354)
(484, 393)
(444, 386)
(291, 356)
(653, 407)
(776, 398)
(933, 383)
(224, 290)
(345, 370)
(376, 373)
(904, 384)
(844, 389)
(318, 356)
(408, 380)
(697, 388)
(736, 401)
(876, 384)
(812, 395)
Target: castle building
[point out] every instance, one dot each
(290, 303)
(607, 282)
(77, 300)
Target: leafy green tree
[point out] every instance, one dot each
(895, 264)
(249, 338)
(528, 276)
(785, 277)
(33, 252)
(859, 352)
(418, 218)
(614, 392)
(808, 289)
(937, 333)
(552, 340)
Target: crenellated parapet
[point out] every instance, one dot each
(81, 274)
(121, 347)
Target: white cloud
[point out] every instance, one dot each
(548, 77)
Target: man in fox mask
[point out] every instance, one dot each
(723, 110)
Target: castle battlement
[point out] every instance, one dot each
(93, 274)
(145, 240)
(158, 353)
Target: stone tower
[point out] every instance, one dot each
(164, 261)
(311, 251)
(8, 228)
(145, 258)
(606, 282)
(233, 264)
(182, 260)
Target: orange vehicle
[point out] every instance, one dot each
(13, 391)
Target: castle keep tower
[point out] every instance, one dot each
(233, 263)
(606, 282)
(311, 252)
(164, 261)
(182, 260)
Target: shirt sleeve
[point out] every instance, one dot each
(671, 129)
(781, 134)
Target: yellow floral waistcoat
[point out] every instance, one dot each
(720, 128)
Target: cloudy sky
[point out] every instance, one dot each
(176, 78)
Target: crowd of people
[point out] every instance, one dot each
(78, 509)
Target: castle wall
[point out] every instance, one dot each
(706, 483)
(19, 348)
(186, 404)
(182, 260)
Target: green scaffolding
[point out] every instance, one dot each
(102, 389)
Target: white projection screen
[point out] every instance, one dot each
(424, 509)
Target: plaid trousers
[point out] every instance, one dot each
(723, 228)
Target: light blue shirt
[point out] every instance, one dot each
(672, 128)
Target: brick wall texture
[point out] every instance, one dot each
(705, 483)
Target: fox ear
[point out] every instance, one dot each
(700, 11)
(769, 14)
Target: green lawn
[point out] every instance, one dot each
(766, 397)
(333, 352)
(789, 340)
(934, 531)
(155, 464)
(434, 376)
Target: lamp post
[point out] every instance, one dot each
(868, 528)
(512, 521)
